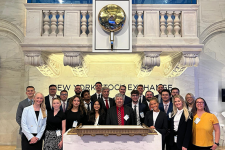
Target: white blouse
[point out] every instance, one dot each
(155, 115)
(177, 119)
(96, 121)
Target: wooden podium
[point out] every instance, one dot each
(112, 138)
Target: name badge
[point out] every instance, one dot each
(58, 133)
(196, 120)
(126, 117)
(142, 115)
(170, 115)
(175, 139)
(74, 124)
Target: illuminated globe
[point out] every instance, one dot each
(112, 18)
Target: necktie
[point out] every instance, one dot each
(30, 102)
(106, 104)
(119, 117)
(99, 96)
(88, 108)
(51, 103)
(135, 113)
(64, 107)
(140, 100)
(166, 108)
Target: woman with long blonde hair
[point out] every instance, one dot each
(181, 125)
(190, 100)
(33, 123)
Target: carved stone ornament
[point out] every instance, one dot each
(33, 58)
(189, 60)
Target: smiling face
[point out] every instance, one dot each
(96, 106)
(105, 93)
(56, 104)
(52, 91)
(122, 90)
(200, 104)
(189, 99)
(178, 103)
(154, 105)
(38, 99)
(98, 87)
(63, 96)
(149, 95)
(30, 92)
(76, 102)
(134, 98)
(140, 90)
(160, 88)
(119, 101)
(175, 92)
(165, 96)
(78, 90)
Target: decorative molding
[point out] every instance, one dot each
(33, 58)
(212, 30)
(189, 59)
(10, 30)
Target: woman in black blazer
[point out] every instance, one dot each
(97, 115)
(157, 119)
(181, 125)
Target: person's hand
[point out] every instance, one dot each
(33, 140)
(214, 147)
(183, 148)
(152, 127)
(60, 145)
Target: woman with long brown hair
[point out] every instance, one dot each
(203, 125)
(190, 100)
(76, 112)
(33, 123)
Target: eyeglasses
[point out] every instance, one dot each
(199, 102)
(64, 94)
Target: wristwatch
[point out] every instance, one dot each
(217, 144)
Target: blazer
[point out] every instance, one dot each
(184, 132)
(30, 124)
(127, 100)
(161, 123)
(47, 103)
(111, 118)
(111, 103)
(147, 106)
(144, 99)
(142, 108)
(19, 112)
(170, 109)
(94, 97)
(67, 104)
(101, 121)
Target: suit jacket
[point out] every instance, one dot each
(127, 100)
(111, 103)
(184, 132)
(157, 98)
(170, 109)
(142, 108)
(112, 118)
(147, 106)
(94, 97)
(144, 99)
(47, 103)
(19, 112)
(30, 124)
(67, 104)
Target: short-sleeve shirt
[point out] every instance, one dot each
(202, 133)
(55, 122)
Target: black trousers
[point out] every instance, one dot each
(174, 147)
(27, 146)
(200, 148)
(167, 141)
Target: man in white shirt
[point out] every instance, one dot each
(87, 100)
(106, 101)
(141, 96)
(160, 87)
(138, 108)
(64, 100)
(98, 94)
(77, 90)
(49, 98)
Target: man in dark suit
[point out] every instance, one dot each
(160, 87)
(122, 91)
(25, 103)
(174, 91)
(98, 94)
(64, 100)
(120, 114)
(166, 106)
(77, 90)
(106, 101)
(88, 104)
(49, 98)
(141, 96)
(139, 108)
(148, 96)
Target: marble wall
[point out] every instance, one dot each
(206, 80)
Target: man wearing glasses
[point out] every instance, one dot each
(64, 100)
(50, 97)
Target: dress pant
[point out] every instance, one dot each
(27, 146)
(167, 141)
(174, 147)
(200, 148)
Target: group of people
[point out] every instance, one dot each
(183, 123)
